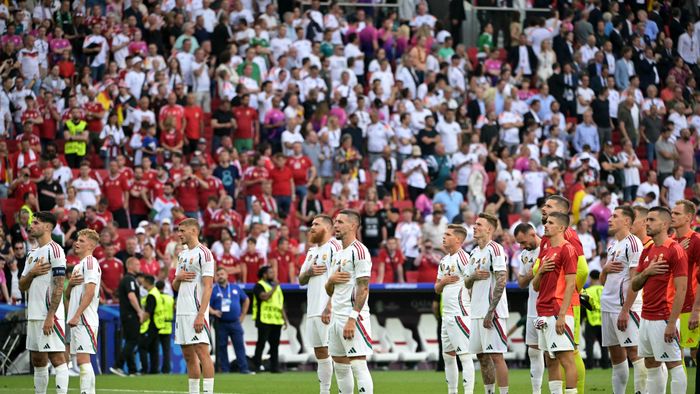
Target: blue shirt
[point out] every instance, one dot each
(586, 134)
(451, 202)
(232, 296)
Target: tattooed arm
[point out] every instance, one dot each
(498, 290)
(56, 297)
(361, 293)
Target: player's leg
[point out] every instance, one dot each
(318, 334)
(618, 354)
(193, 369)
(362, 342)
(84, 344)
(554, 369)
(671, 354)
(535, 355)
(566, 359)
(497, 339)
(58, 360)
(40, 362)
(341, 363)
(202, 352)
(679, 379)
(450, 356)
(488, 372)
(87, 374)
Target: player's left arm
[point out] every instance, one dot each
(566, 302)
(678, 265)
(58, 270)
(361, 296)
(500, 273)
(92, 276)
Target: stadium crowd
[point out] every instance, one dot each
(127, 117)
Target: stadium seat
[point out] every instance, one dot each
(411, 276)
(290, 347)
(403, 204)
(516, 343)
(381, 344)
(403, 342)
(427, 333)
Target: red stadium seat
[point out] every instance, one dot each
(403, 204)
(472, 53)
(9, 207)
(12, 146)
(125, 233)
(327, 206)
(411, 276)
(512, 218)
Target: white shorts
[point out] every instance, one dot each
(493, 340)
(359, 345)
(83, 339)
(548, 338)
(38, 342)
(455, 334)
(531, 332)
(316, 332)
(652, 344)
(185, 333)
(614, 337)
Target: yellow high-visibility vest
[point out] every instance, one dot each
(158, 316)
(168, 311)
(270, 310)
(77, 147)
(594, 293)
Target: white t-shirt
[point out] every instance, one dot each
(351, 50)
(449, 134)
(200, 261)
(513, 179)
(626, 252)
(316, 297)
(464, 172)
(378, 136)
(416, 179)
(121, 54)
(588, 95)
(647, 187)
(42, 286)
(202, 82)
(491, 259)
(510, 135)
(534, 186)
(408, 235)
(676, 189)
(456, 300)
(87, 191)
(356, 260)
(89, 268)
(527, 261)
(101, 56)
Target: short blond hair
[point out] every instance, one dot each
(189, 222)
(89, 234)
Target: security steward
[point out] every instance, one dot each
(76, 136)
(166, 332)
(131, 316)
(153, 322)
(269, 315)
(229, 305)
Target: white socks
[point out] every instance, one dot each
(620, 376)
(87, 379)
(503, 390)
(490, 388)
(536, 369)
(679, 381)
(364, 379)
(343, 375)
(451, 373)
(655, 380)
(41, 379)
(194, 386)
(325, 373)
(571, 391)
(467, 373)
(640, 376)
(555, 386)
(62, 379)
(208, 385)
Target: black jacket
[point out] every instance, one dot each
(556, 86)
(564, 53)
(474, 110)
(514, 58)
(646, 73)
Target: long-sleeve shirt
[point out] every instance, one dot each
(688, 48)
(586, 135)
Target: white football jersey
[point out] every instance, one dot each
(356, 260)
(200, 261)
(626, 252)
(316, 297)
(89, 268)
(40, 290)
(455, 296)
(491, 259)
(527, 260)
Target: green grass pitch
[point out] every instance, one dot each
(385, 382)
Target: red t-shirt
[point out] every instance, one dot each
(175, 111)
(552, 288)
(99, 252)
(106, 216)
(170, 138)
(300, 169)
(245, 119)
(98, 224)
(93, 107)
(693, 254)
(194, 116)
(281, 181)
(253, 173)
(32, 114)
(24, 188)
(47, 130)
(215, 187)
(113, 189)
(390, 263)
(233, 221)
(136, 204)
(253, 262)
(571, 237)
(228, 261)
(186, 195)
(659, 290)
(150, 267)
(283, 260)
(112, 272)
(427, 271)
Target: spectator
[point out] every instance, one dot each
(269, 315)
(148, 342)
(252, 260)
(391, 262)
(112, 272)
(666, 153)
(673, 187)
(131, 316)
(416, 171)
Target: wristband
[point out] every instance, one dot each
(354, 314)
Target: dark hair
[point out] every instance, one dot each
(160, 285)
(355, 217)
(627, 211)
(458, 229)
(595, 274)
(263, 270)
(149, 279)
(523, 228)
(562, 218)
(662, 210)
(560, 200)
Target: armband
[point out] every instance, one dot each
(58, 271)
